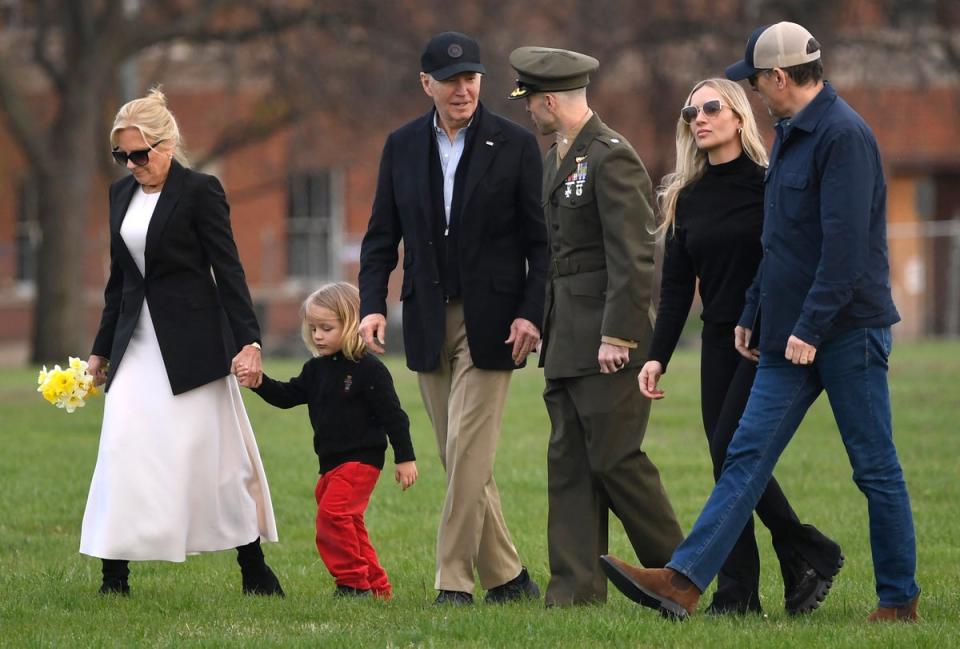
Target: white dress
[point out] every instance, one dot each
(175, 475)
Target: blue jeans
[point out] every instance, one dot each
(852, 369)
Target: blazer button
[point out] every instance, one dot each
(436, 282)
(556, 226)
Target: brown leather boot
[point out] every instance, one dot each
(906, 613)
(663, 589)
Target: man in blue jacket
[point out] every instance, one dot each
(823, 290)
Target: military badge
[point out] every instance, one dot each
(574, 182)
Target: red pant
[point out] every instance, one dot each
(342, 496)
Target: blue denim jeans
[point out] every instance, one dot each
(852, 369)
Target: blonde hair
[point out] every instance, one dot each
(153, 119)
(343, 299)
(692, 161)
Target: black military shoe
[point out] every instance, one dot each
(804, 589)
(453, 598)
(519, 588)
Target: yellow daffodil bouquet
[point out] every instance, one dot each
(69, 387)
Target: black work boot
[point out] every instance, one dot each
(115, 574)
(804, 589)
(258, 579)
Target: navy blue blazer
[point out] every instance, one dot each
(502, 253)
(202, 319)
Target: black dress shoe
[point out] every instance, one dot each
(350, 591)
(804, 589)
(453, 598)
(519, 588)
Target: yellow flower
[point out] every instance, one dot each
(63, 380)
(71, 403)
(69, 387)
(50, 394)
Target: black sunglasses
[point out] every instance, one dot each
(139, 158)
(710, 108)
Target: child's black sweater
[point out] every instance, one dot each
(353, 409)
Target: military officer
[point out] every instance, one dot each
(598, 209)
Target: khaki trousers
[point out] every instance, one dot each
(465, 406)
(595, 465)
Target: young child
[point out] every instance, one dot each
(353, 409)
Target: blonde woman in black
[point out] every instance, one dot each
(713, 214)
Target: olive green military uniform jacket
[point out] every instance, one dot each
(598, 207)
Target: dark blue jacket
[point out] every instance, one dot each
(825, 267)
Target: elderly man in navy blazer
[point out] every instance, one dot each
(460, 186)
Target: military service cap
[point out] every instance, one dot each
(547, 69)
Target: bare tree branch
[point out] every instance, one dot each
(269, 117)
(40, 43)
(197, 26)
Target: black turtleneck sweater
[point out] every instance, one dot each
(353, 409)
(716, 240)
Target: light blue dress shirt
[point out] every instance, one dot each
(450, 154)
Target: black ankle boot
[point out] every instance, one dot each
(115, 574)
(258, 579)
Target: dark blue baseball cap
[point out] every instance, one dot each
(450, 53)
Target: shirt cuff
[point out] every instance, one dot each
(611, 340)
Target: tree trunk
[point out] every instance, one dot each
(64, 185)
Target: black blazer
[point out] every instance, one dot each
(201, 324)
(502, 240)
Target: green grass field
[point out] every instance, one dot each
(48, 591)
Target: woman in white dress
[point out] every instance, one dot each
(178, 470)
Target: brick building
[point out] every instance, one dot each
(301, 198)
